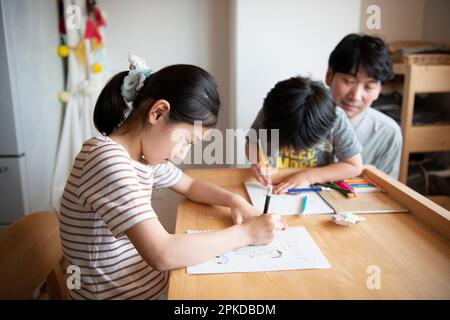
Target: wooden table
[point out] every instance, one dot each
(411, 251)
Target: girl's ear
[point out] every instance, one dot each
(159, 111)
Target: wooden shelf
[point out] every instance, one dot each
(431, 79)
(429, 138)
(421, 78)
(399, 68)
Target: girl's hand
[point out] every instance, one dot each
(297, 180)
(242, 210)
(260, 174)
(261, 229)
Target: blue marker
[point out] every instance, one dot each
(294, 190)
(305, 201)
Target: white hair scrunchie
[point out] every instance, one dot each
(133, 82)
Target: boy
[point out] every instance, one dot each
(312, 133)
(357, 68)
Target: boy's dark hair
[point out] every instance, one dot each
(302, 109)
(365, 51)
(190, 90)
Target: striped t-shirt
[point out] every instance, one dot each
(106, 194)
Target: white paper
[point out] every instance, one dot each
(287, 204)
(292, 249)
(347, 219)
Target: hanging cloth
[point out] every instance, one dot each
(83, 87)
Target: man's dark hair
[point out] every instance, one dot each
(355, 51)
(302, 109)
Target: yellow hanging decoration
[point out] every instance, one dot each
(96, 45)
(97, 68)
(80, 53)
(63, 51)
(64, 96)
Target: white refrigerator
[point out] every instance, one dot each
(31, 77)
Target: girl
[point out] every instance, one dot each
(108, 227)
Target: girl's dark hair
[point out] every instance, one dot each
(357, 50)
(190, 90)
(302, 109)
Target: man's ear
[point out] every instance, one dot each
(329, 76)
(159, 111)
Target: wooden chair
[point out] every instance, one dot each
(30, 255)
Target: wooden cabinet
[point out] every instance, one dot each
(422, 74)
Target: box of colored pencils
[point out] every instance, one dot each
(362, 185)
(346, 192)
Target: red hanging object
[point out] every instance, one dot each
(94, 21)
(61, 20)
(62, 26)
(99, 18)
(92, 31)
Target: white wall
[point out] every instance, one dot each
(32, 28)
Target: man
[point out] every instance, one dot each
(357, 68)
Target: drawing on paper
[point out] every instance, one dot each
(270, 252)
(221, 259)
(292, 249)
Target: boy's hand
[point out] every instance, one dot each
(261, 174)
(297, 180)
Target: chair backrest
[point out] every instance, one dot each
(30, 254)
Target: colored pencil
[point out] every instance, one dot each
(294, 190)
(305, 201)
